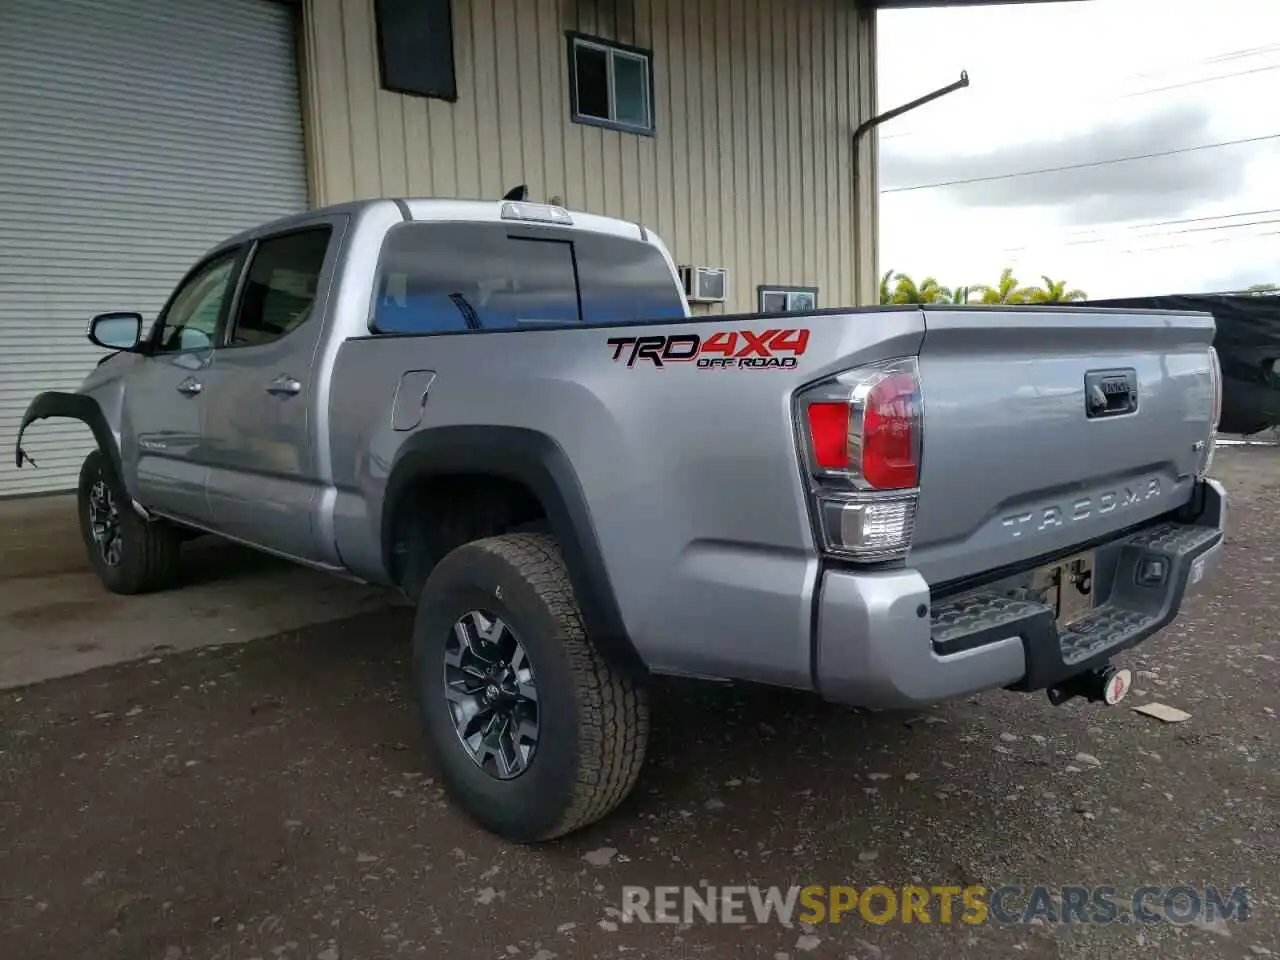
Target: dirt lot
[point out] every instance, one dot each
(274, 799)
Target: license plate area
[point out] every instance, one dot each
(1067, 587)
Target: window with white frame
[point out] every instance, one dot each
(611, 85)
(778, 299)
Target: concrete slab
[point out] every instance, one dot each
(56, 619)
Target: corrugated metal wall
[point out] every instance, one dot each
(750, 166)
(133, 136)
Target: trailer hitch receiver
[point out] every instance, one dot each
(1103, 684)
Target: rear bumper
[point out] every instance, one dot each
(881, 642)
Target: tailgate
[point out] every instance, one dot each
(1016, 464)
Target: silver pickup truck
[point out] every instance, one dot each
(505, 411)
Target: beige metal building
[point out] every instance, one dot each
(136, 133)
(744, 163)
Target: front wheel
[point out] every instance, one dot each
(537, 734)
(129, 554)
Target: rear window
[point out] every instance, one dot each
(442, 277)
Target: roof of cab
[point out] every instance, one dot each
(437, 209)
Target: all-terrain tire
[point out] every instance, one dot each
(147, 557)
(593, 719)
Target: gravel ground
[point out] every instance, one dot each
(275, 800)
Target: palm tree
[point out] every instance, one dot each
(906, 290)
(1006, 291)
(1053, 291)
(886, 294)
(931, 291)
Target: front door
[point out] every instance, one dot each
(164, 398)
(259, 430)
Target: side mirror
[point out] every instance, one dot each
(116, 331)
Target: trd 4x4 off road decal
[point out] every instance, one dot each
(724, 350)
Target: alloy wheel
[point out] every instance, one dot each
(492, 694)
(104, 523)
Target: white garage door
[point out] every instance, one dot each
(134, 134)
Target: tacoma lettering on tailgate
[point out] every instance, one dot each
(724, 350)
(1082, 508)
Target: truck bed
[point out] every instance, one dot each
(689, 458)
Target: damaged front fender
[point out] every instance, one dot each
(75, 406)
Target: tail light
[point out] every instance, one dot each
(860, 434)
(1215, 412)
(1216, 409)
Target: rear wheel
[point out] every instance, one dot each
(130, 554)
(537, 734)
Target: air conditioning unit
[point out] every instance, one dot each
(705, 284)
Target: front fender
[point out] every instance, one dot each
(74, 406)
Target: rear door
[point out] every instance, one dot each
(261, 396)
(165, 399)
(1046, 428)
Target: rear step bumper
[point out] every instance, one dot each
(882, 643)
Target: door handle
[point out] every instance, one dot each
(284, 386)
(190, 387)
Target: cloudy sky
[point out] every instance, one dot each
(1076, 85)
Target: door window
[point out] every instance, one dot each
(280, 288)
(191, 322)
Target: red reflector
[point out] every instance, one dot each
(889, 444)
(829, 434)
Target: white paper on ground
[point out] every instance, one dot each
(1163, 712)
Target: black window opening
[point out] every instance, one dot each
(280, 287)
(458, 277)
(611, 84)
(415, 48)
(780, 299)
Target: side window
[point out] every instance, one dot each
(280, 287)
(783, 299)
(610, 85)
(191, 322)
(449, 277)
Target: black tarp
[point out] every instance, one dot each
(1248, 345)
